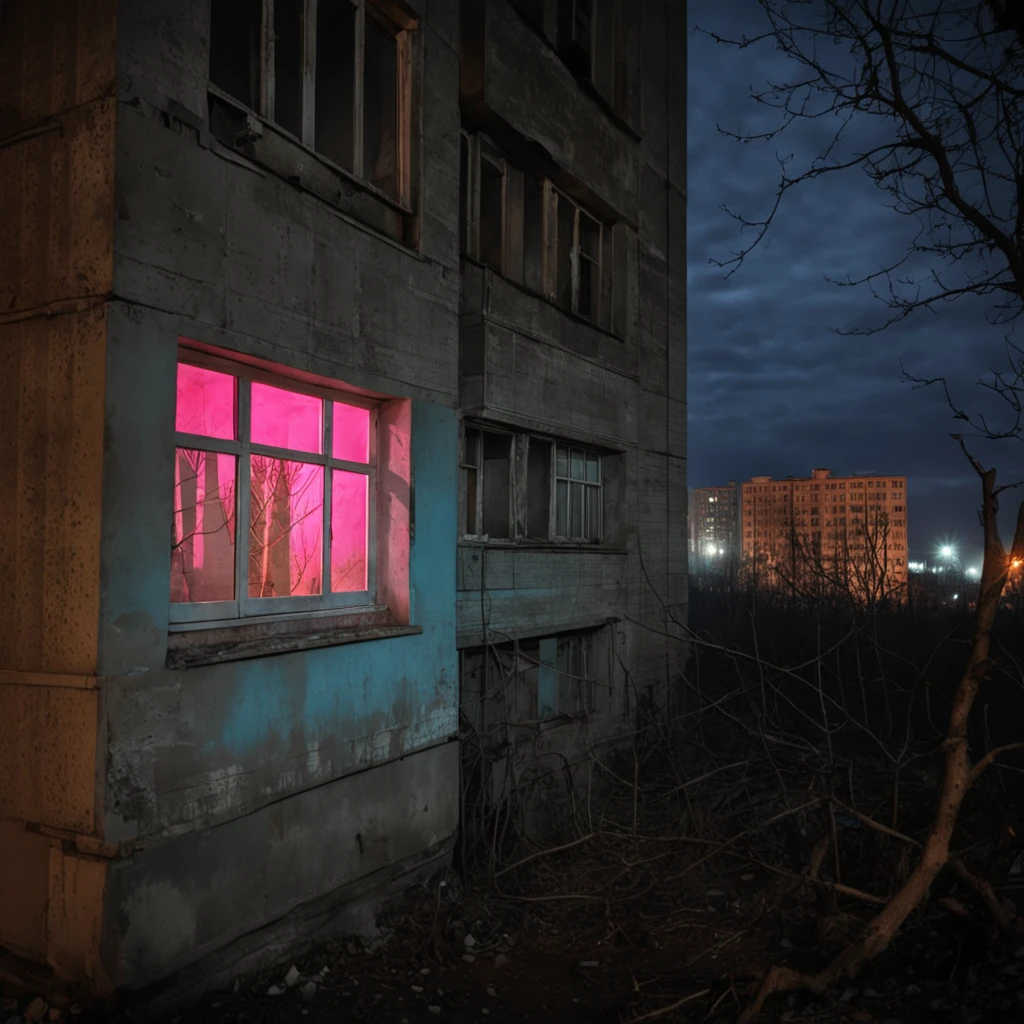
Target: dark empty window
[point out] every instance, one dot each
(335, 79)
(575, 35)
(533, 233)
(288, 65)
(380, 105)
(538, 489)
(497, 449)
(304, 78)
(235, 49)
(491, 207)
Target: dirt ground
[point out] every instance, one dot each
(456, 955)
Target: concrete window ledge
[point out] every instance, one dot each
(236, 642)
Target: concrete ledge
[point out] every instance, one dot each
(236, 643)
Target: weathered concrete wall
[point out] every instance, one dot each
(241, 788)
(527, 364)
(178, 901)
(57, 115)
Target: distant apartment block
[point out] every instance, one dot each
(715, 527)
(827, 532)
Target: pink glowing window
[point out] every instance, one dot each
(349, 518)
(286, 528)
(309, 509)
(350, 433)
(203, 533)
(206, 402)
(286, 419)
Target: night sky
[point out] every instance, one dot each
(772, 389)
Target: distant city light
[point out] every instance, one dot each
(947, 551)
(974, 572)
(955, 596)
(1015, 564)
(917, 566)
(721, 551)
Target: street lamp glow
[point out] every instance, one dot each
(946, 551)
(974, 572)
(721, 551)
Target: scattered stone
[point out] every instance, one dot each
(435, 1010)
(76, 1010)
(36, 1009)
(861, 1015)
(491, 992)
(424, 971)
(291, 979)
(54, 1013)
(468, 957)
(484, 1010)
(912, 990)
(747, 877)
(848, 995)
(417, 988)
(786, 944)
(870, 993)
(500, 960)
(590, 963)
(1010, 970)
(469, 942)
(275, 990)
(309, 990)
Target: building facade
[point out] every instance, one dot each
(825, 533)
(714, 520)
(343, 349)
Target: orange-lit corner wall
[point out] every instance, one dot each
(57, 113)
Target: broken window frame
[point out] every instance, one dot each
(577, 54)
(391, 16)
(476, 150)
(243, 606)
(471, 461)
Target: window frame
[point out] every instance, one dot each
(476, 149)
(244, 608)
(519, 449)
(394, 20)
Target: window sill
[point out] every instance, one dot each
(250, 135)
(541, 545)
(217, 644)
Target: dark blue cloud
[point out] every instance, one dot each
(773, 389)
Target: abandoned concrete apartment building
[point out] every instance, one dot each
(399, 287)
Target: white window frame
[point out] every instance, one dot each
(569, 480)
(393, 20)
(518, 457)
(243, 606)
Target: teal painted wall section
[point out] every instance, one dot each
(199, 747)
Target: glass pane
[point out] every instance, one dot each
(561, 461)
(286, 419)
(491, 204)
(576, 511)
(575, 464)
(286, 528)
(562, 508)
(380, 108)
(589, 288)
(203, 531)
(335, 78)
(288, 65)
(593, 468)
(206, 402)
(593, 513)
(350, 433)
(349, 518)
